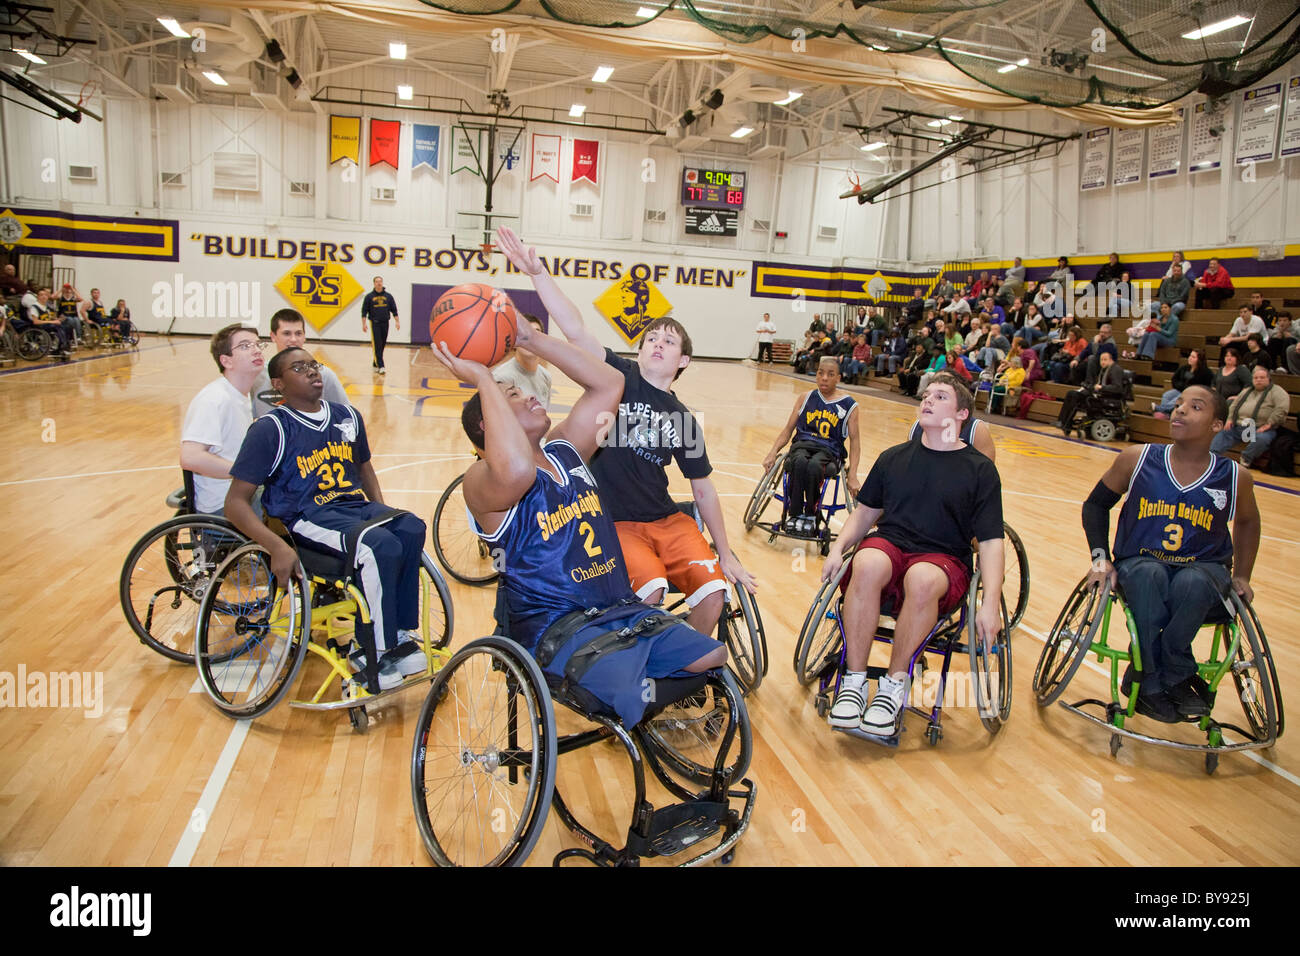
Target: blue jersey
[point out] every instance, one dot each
(967, 430)
(303, 464)
(1162, 519)
(378, 306)
(825, 424)
(560, 549)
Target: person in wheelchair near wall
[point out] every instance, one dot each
(820, 422)
(1174, 558)
(565, 589)
(313, 460)
(932, 498)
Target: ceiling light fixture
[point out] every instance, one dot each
(404, 92)
(742, 132)
(646, 13)
(397, 51)
(215, 78)
(174, 28)
(1233, 21)
(872, 147)
(576, 110)
(27, 55)
(602, 74)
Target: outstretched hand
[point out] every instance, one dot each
(525, 259)
(471, 373)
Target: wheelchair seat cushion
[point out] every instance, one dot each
(321, 563)
(634, 649)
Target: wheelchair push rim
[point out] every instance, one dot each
(820, 641)
(991, 668)
(763, 494)
(740, 628)
(165, 576)
(252, 634)
(1069, 640)
(686, 736)
(1021, 557)
(482, 765)
(461, 552)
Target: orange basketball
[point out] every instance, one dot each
(477, 322)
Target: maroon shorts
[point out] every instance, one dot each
(892, 595)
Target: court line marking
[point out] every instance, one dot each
(1105, 672)
(83, 359)
(89, 474)
(189, 841)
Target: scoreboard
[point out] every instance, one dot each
(713, 188)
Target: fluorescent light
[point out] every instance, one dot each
(646, 12)
(954, 118)
(872, 147)
(576, 110)
(793, 95)
(1008, 68)
(174, 28)
(1213, 28)
(1112, 69)
(215, 78)
(937, 123)
(397, 51)
(602, 74)
(404, 92)
(741, 132)
(1024, 61)
(30, 56)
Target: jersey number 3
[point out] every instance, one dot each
(332, 476)
(1175, 539)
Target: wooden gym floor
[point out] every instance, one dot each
(162, 777)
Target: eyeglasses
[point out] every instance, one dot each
(257, 344)
(302, 368)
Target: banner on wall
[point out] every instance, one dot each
(345, 138)
(1128, 156)
(508, 156)
(1096, 159)
(466, 148)
(385, 135)
(425, 141)
(1205, 151)
(1291, 122)
(1257, 131)
(546, 157)
(1166, 155)
(586, 152)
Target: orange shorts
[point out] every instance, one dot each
(669, 552)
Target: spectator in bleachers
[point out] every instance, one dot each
(810, 341)
(1016, 347)
(978, 290)
(938, 362)
(1110, 380)
(1006, 386)
(877, 325)
(1165, 335)
(973, 335)
(1112, 271)
(1031, 324)
(1184, 266)
(1066, 359)
(1121, 297)
(1174, 290)
(858, 362)
(1087, 367)
(1293, 360)
(1140, 327)
(1062, 273)
(944, 289)
(1231, 378)
(919, 337)
(1013, 285)
(817, 326)
(1213, 287)
(10, 284)
(893, 353)
(991, 348)
(958, 306)
(952, 339)
(991, 306)
(1255, 353)
(914, 309)
(1033, 365)
(1260, 306)
(1016, 312)
(960, 366)
(913, 369)
(1281, 339)
(1264, 404)
(1246, 323)
(1191, 372)
(1048, 302)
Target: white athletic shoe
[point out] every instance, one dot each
(881, 718)
(850, 702)
(383, 371)
(408, 656)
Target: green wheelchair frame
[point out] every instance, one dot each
(1238, 648)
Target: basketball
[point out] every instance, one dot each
(477, 322)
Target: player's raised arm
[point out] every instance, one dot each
(559, 306)
(602, 387)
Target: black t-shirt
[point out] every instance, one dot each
(631, 465)
(935, 501)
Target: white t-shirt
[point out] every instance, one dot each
(266, 398)
(1256, 324)
(766, 330)
(31, 306)
(218, 418)
(536, 383)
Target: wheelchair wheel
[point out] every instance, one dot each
(758, 501)
(1016, 579)
(34, 343)
(252, 634)
(436, 612)
(92, 335)
(1068, 642)
(819, 639)
(685, 737)
(132, 336)
(165, 576)
(741, 629)
(990, 669)
(1254, 676)
(1267, 660)
(483, 763)
(464, 555)
(1102, 429)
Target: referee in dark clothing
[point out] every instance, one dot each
(377, 308)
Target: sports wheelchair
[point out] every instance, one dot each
(195, 589)
(820, 651)
(26, 339)
(461, 552)
(1103, 417)
(839, 500)
(483, 764)
(1237, 647)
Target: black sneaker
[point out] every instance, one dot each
(1190, 697)
(1159, 706)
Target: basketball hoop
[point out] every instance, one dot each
(486, 249)
(853, 180)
